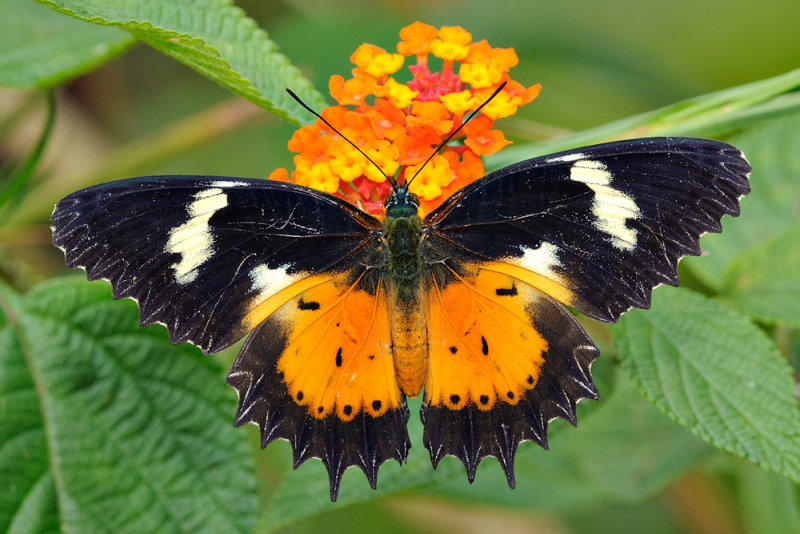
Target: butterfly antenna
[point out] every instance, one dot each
(329, 125)
(449, 137)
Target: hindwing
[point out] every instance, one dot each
(319, 373)
(505, 359)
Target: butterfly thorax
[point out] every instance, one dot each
(405, 284)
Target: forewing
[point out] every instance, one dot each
(319, 373)
(210, 257)
(505, 359)
(598, 227)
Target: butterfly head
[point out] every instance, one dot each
(401, 203)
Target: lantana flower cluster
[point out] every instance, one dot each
(399, 125)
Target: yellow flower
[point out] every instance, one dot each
(385, 155)
(452, 43)
(459, 103)
(501, 105)
(431, 179)
(397, 93)
(321, 177)
(479, 75)
(347, 163)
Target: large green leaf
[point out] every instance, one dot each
(215, 38)
(771, 206)
(111, 424)
(27, 502)
(626, 450)
(42, 48)
(764, 281)
(715, 373)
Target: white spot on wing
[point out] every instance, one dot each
(540, 260)
(269, 281)
(193, 240)
(567, 158)
(228, 183)
(611, 207)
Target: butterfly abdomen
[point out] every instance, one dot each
(408, 306)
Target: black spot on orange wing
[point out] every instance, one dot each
(307, 306)
(506, 292)
(339, 357)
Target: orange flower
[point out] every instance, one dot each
(388, 121)
(400, 125)
(279, 175)
(416, 144)
(525, 95)
(416, 39)
(482, 140)
(351, 92)
(431, 114)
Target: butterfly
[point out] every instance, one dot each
(348, 315)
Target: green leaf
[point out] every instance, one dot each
(213, 37)
(642, 451)
(27, 502)
(770, 207)
(715, 373)
(766, 501)
(764, 281)
(42, 49)
(135, 433)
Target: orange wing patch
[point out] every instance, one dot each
(483, 345)
(338, 356)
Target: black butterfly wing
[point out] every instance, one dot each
(214, 258)
(594, 228)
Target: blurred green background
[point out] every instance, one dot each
(144, 113)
